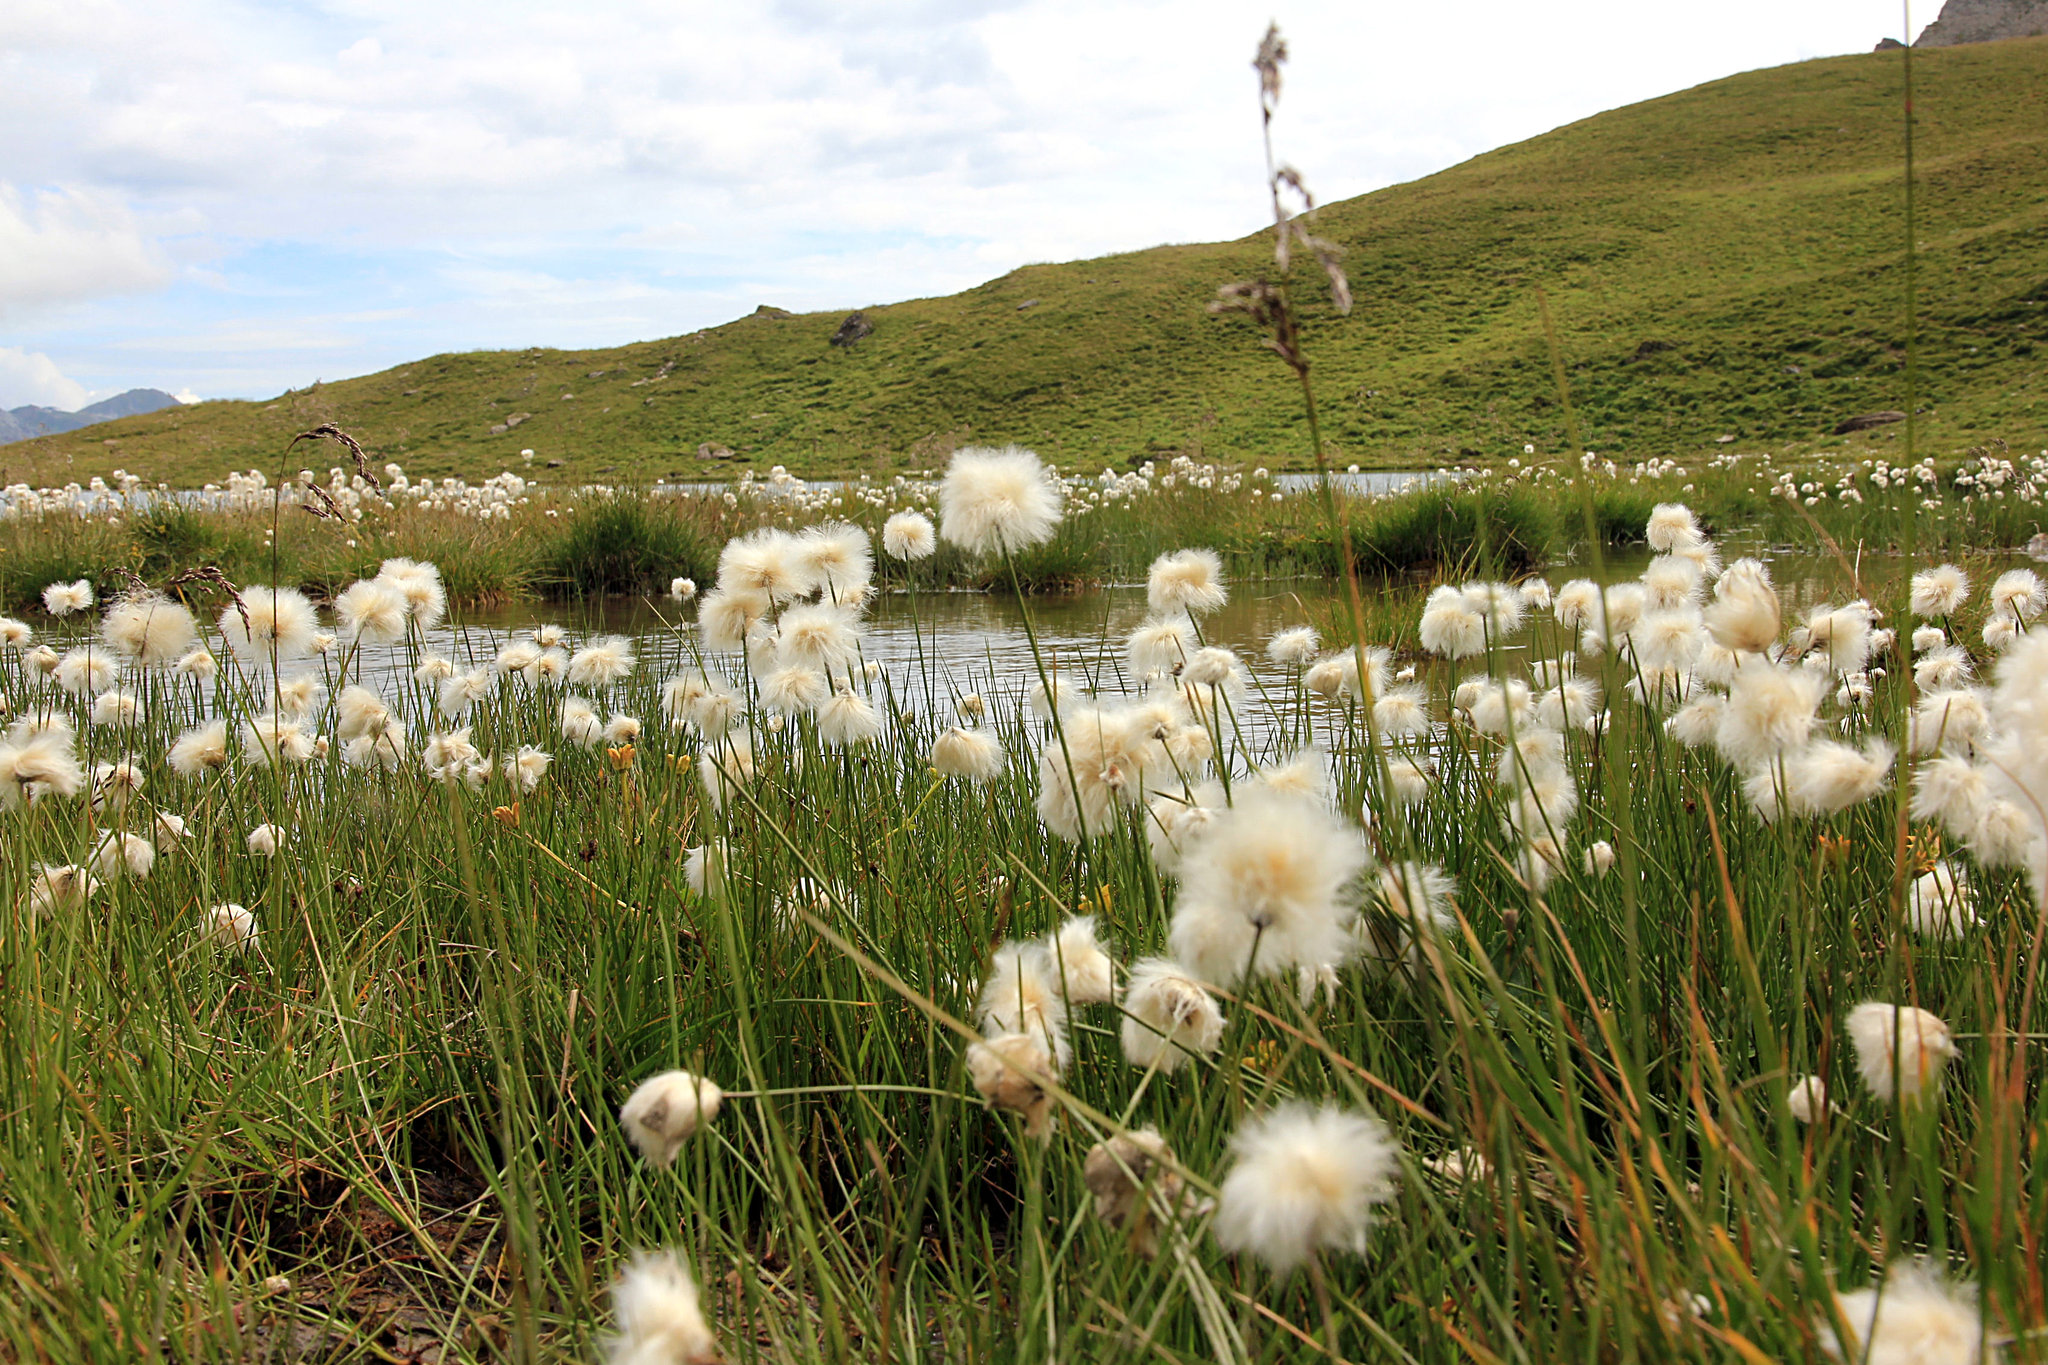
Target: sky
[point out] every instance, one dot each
(226, 199)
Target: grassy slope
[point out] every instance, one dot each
(1721, 261)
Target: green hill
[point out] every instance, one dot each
(1722, 261)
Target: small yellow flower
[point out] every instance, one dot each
(1832, 848)
(621, 757)
(677, 763)
(1924, 850)
(1263, 1056)
(508, 816)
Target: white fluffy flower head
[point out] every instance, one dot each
(665, 1110)
(1306, 1180)
(1276, 869)
(1186, 580)
(993, 500)
(909, 536)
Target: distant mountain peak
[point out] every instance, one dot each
(1985, 21)
(23, 423)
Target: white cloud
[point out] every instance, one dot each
(32, 377)
(62, 245)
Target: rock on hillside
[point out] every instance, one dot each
(1985, 21)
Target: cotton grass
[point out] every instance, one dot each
(1306, 1180)
(995, 500)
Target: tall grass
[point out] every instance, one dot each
(403, 1103)
(625, 543)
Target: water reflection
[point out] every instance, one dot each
(936, 645)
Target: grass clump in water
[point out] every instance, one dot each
(624, 543)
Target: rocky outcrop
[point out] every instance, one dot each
(1866, 421)
(853, 329)
(1985, 21)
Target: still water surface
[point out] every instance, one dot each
(937, 645)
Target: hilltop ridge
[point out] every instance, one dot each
(1725, 261)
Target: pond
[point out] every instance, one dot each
(935, 646)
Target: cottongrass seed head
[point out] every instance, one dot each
(1916, 1317)
(660, 1319)
(230, 927)
(1293, 647)
(1450, 627)
(602, 662)
(1745, 615)
(201, 749)
(1016, 1071)
(1899, 1045)
(848, 720)
(2018, 595)
(1275, 870)
(1023, 995)
(1770, 713)
(117, 854)
(62, 599)
(1188, 581)
(1938, 592)
(1133, 1180)
(148, 628)
(419, 583)
(36, 765)
(764, 565)
(993, 500)
(663, 1113)
(836, 557)
(1807, 1099)
(1079, 963)
(53, 889)
(1306, 1180)
(909, 536)
(705, 867)
(373, 612)
(1169, 1016)
(1938, 904)
(281, 622)
(972, 754)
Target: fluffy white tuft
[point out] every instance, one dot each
(1306, 1180)
(972, 754)
(1898, 1046)
(1275, 870)
(665, 1110)
(993, 500)
(660, 1320)
(280, 623)
(909, 536)
(148, 628)
(1915, 1318)
(1188, 581)
(1168, 1016)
